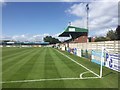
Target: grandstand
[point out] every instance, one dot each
(78, 35)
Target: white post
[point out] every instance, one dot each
(102, 60)
(79, 52)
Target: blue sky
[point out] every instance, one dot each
(35, 18)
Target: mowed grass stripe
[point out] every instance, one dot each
(51, 71)
(76, 69)
(13, 60)
(37, 71)
(23, 72)
(12, 51)
(7, 55)
(6, 49)
(64, 70)
(17, 55)
(16, 67)
(26, 69)
(28, 66)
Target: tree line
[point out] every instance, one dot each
(51, 40)
(111, 35)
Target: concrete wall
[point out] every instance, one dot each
(111, 46)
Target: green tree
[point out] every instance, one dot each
(51, 40)
(111, 35)
(118, 32)
(101, 38)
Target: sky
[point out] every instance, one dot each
(31, 21)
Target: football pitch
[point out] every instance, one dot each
(46, 67)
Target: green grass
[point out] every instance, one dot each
(46, 63)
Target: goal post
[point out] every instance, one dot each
(98, 57)
(106, 58)
(102, 60)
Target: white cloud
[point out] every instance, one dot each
(28, 37)
(77, 9)
(24, 37)
(36, 37)
(102, 16)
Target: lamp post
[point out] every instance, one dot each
(87, 9)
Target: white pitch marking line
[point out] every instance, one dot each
(78, 63)
(90, 77)
(40, 80)
(83, 73)
(87, 77)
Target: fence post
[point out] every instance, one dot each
(114, 46)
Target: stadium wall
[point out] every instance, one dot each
(93, 51)
(112, 46)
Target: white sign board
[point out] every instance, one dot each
(10, 42)
(113, 61)
(72, 29)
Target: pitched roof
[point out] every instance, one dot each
(73, 31)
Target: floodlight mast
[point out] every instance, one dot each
(87, 9)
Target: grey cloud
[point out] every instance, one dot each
(102, 16)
